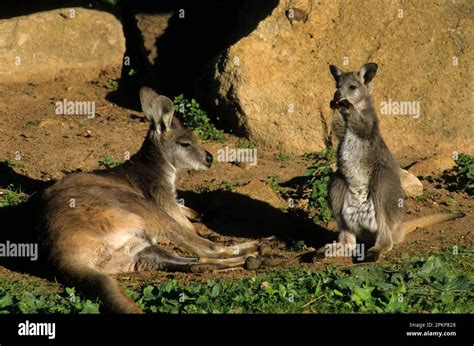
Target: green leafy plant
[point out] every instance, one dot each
(274, 182)
(197, 119)
(12, 163)
(426, 284)
(113, 83)
(29, 297)
(429, 283)
(109, 162)
(244, 143)
(465, 179)
(319, 174)
(283, 157)
(11, 197)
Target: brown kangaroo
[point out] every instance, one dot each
(114, 221)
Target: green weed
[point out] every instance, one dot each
(319, 174)
(113, 83)
(12, 163)
(109, 162)
(465, 178)
(274, 182)
(282, 157)
(244, 143)
(197, 119)
(429, 283)
(29, 297)
(11, 197)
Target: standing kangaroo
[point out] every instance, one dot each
(114, 221)
(366, 195)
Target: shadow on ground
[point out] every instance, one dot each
(235, 215)
(226, 213)
(19, 223)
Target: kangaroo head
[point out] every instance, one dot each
(175, 143)
(354, 86)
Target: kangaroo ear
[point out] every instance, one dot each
(368, 71)
(336, 72)
(164, 106)
(147, 95)
(158, 109)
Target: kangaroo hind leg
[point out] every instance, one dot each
(156, 258)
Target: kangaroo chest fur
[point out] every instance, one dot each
(358, 208)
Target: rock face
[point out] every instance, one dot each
(274, 85)
(433, 165)
(42, 45)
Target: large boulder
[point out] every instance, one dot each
(43, 45)
(274, 85)
(411, 185)
(432, 165)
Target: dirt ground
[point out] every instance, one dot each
(52, 145)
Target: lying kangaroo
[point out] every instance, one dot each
(366, 195)
(117, 220)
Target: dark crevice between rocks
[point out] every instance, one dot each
(187, 49)
(135, 72)
(208, 27)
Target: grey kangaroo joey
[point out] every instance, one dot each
(366, 196)
(121, 219)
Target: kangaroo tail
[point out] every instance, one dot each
(425, 221)
(94, 283)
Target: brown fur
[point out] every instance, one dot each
(113, 221)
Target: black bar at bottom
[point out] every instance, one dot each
(243, 329)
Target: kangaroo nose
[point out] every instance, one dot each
(337, 95)
(209, 158)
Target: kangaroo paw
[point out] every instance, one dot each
(252, 263)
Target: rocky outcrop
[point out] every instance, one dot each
(41, 46)
(274, 85)
(411, 185)
(433, 165)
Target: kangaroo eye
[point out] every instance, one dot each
(353, 87)
(184, 144)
